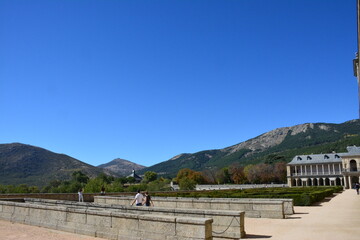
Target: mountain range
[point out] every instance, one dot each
(26, 164)
(21, 163)
(281, 144)
(121, 167)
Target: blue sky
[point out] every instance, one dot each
(147, 80)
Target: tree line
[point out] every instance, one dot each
(269, 172)
(235, 174)
(79, 180)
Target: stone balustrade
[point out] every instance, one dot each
(226, 224)
(259, 208)
(107, 224)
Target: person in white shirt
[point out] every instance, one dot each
(138, 199)
(80, 193)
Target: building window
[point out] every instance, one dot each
(299, 158)
(326, 157)
(353, 167)
(309, 158)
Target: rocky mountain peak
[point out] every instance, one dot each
(273, 138)
(121, 166)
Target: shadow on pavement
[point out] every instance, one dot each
(293, 217)
(256, 236)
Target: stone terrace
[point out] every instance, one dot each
(336, 218)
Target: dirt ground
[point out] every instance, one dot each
(337, 218)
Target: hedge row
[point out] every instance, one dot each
(304, 196)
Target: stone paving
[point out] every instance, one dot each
(17, 231)
(334, 219)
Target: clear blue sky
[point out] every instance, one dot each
(147, 80)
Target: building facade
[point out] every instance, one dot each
(330, 169)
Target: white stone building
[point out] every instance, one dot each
(330, 169)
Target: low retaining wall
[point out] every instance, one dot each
(88, 197)
(288, 203)
(233, 186)
(226, 224)
(261, 208)
(106, 224)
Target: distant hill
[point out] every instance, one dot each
(281, 144)
(121, 167)
(26, 164)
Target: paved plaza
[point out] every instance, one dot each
(334, 219)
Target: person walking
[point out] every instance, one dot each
(147, 200)
(80, 193)
(357, 186)
(138, 199)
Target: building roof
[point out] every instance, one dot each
(134, 175)
(353, 150)
(324, 158)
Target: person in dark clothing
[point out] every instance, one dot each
(147, 200)
(357, 186)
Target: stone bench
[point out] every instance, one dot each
(107, 224)
(226, 224)
(259, 208)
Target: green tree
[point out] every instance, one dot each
(94, 185)
(105, 178)
(187, 184)
(251, 175)
(116, 186)
(134, 188)
(149, 176)
(22, 188)
(159, 185)
(80, 177)
(187, 173)
(223, 176)
(130, 180)
(121, 180)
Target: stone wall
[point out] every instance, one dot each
(107, 224)
(288, 203)
(233, 186)
(88, 197)
(226, 224)
(259, 208)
